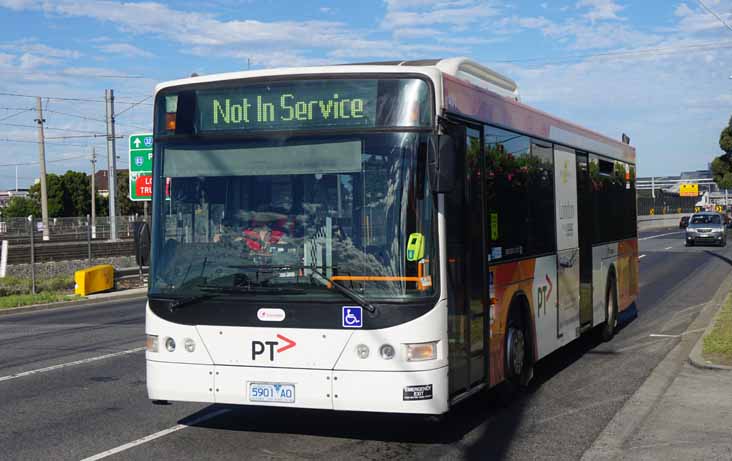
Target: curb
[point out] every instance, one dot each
(696, 358)
(82, 302)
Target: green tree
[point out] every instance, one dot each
(722, 165)
(77, 193)
(55, 193)
(125, 206)
(21, 207)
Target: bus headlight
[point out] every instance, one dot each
(151, 343)
(189, 344)
(362, 350)
(170, 344)
(419, 352)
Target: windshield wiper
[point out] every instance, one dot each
(349, 293)
(174, 303)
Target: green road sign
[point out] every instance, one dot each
(141, 154)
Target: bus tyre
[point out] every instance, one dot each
(519, 369)
(611, 307)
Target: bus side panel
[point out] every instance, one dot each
(604, 256)
(546, 306)
(508, 280)
(627, 272)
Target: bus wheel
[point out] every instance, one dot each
(611, 307)
(518, 362)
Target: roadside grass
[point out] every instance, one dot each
(30, 299)
(718, 343)
(16, 292)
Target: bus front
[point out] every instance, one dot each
(294, 245)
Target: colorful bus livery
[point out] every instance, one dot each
(436, 238)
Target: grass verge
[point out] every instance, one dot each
(718, 343)
(30, 299)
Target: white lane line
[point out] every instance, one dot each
(655, 335)
(157, 435)
(659, 235)
(641, 256)
(668, 248)
(70, 364)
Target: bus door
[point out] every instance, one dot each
(568, 252)
(584, 218)
(467, 274)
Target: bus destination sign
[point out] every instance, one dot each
(299, 105)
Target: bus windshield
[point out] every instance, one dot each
(288, 216)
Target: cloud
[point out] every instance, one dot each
(39, 49)
(601, 9)
(459, 13)
(125, 49)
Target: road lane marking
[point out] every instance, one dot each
(659, 235)
(641, 256)
(157, 435)
(655, 335)
(71, 364)
(668, 248)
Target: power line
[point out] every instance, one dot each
(711, 11)
(19, 95)
(638, 52)
(77, 116)
(65, 74)
(132, 106)
(56, 160)
(30, 141)
(19, 125)
(20, 111)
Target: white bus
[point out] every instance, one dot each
(387, 237)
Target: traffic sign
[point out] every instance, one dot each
(141, 156)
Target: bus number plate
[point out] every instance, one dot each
(272, 392)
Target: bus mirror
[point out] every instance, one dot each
(443, 162)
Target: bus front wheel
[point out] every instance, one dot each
(518, 365)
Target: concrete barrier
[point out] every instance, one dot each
(659, 221)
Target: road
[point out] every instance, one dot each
(88, 405)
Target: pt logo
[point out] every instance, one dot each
(259, 347)
(543, 296)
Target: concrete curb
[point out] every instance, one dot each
(125, 295)
(696, 358)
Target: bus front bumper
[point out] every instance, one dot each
(418, 392)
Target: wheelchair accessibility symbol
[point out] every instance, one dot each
(352, 317)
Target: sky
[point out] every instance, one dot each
(658, 70)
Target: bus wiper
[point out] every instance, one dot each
(348, 292)
(175, 303)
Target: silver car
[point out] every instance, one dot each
(706, 228)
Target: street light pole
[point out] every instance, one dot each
(42, 162)
(111, 165)
(93, 222)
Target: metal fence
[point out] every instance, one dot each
(68, 229)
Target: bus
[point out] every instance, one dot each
(385, 237)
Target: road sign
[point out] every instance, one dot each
(141, 155)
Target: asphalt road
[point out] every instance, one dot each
(87, 405)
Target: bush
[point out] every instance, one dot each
(10, 286)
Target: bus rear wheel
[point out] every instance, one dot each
(611, 307)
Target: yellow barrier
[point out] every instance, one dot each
(94, 279)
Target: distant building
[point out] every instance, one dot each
(6, 195)
(101, 180)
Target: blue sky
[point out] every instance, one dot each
(655, 69)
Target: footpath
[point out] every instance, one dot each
(684, 409)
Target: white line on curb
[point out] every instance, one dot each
(157, 435)
(659, 235)
(70, 364)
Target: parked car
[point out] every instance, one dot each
(706, 227)
(683, 222)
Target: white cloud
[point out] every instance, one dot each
(601, 9)
(442, 13)
(125, 49)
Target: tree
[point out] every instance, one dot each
(722, 165)
(55, 193)
(21, 207)
(125, 206)
(77, 193)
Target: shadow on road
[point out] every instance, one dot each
(492, 417)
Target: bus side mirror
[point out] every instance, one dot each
(442, 163)
(142, 244)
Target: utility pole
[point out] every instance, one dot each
(16, 178)
(93, 222)
(42, 162)
(111, 165)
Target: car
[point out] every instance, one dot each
(707, 227)
(683, 222)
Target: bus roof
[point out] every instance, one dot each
(463, 87)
